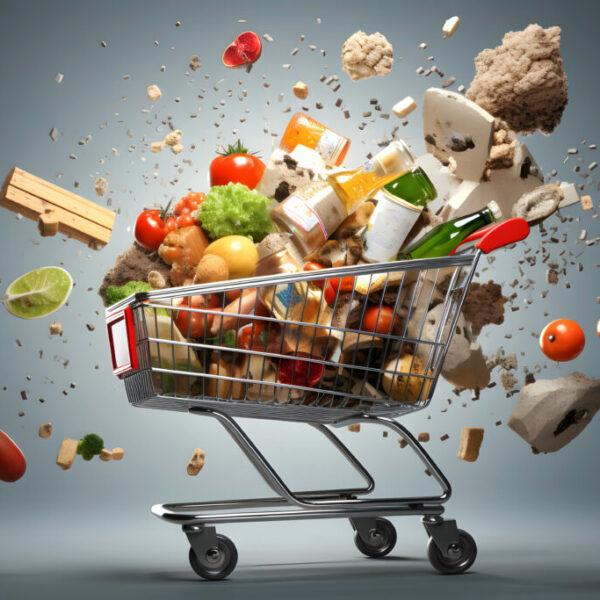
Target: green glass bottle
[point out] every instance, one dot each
(414, 187)
(444, 238)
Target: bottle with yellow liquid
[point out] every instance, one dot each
(312, 213)
(355, 186)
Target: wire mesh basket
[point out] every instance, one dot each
(368, 339)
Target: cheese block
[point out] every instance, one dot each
(287, 172)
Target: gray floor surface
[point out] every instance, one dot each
(290, 561)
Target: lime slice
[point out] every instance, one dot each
(38, 293)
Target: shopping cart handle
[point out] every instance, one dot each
(497, 235)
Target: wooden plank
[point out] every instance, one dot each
(70, 224)
(60, 197)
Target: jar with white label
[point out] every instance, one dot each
(311, 215)
(388, 227)
(304, 130)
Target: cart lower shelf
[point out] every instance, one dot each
(214, 556)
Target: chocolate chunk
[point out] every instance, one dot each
(282, 191)
(290, 163)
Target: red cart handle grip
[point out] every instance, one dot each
(497, 235)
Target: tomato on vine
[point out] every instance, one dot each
(236, 165)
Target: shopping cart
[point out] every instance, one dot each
(372, 350)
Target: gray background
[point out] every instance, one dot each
(89, 530)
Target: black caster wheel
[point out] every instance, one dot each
(381, 540)
(464, 554)
(218, 562)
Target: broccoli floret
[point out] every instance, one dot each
(90, 445)
(116, 293)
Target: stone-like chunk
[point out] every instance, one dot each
(552, 412)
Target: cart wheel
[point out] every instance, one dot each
(381, 540)
(464, 553)
(218, 562)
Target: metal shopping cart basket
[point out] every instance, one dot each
(370, 349)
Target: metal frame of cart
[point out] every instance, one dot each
(137, 359)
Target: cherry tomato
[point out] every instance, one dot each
(313, 266)
(151, 228)
(235, 165)
(562, 340)
(187, 207)
(299, 372)
(380, 319)
(12, 461)
(185, 220)
(191, 324)
(343, 285)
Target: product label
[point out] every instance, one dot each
(302, 214)
(330, 145)
(288, 297)
(388, 227)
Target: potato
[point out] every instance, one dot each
(405, 388)
(211, 268)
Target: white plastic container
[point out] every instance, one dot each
(390, 223)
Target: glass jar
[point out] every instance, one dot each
(304, 130)
(311, 215)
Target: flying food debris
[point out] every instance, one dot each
(118, 453)
(195, 62)
(586, 202)
(55, 328)
(153, 92)
(267, 37)
(54, 134)
(355, 428)
(404, 107)
(59, 77)
(196, 462)
(45, 430)
(450, 26)
(100, 185)
(103, 44)
(423, 436)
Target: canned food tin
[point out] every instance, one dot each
(390, 223)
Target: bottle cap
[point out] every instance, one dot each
(495, 210)
(394, 158)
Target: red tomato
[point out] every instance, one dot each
(254, 339)
(185, 209)
(151, 229)
(562, 340)
(235, 165)
(191, 324)
(12, 461)
(186, 220)
(246, 48)
(313, 266)
(380, 319)
(344, 285)
(299, 372)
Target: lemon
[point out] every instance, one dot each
(38, 293)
